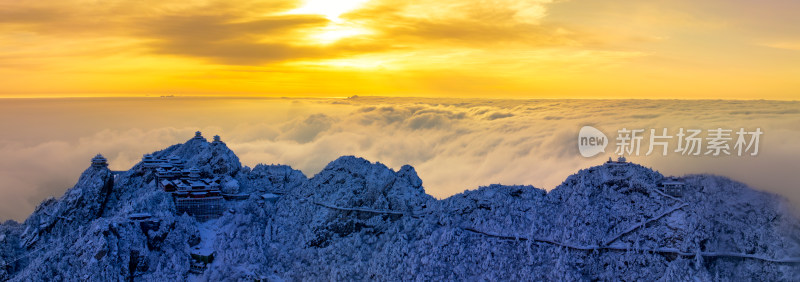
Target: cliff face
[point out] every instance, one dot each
(79, 206)
(358, 220)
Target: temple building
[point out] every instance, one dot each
(148, 161)
(201, 205)
(198, 135)
(620, 160)
(200, 258)
(673, 186)
(99, 161)
(194, 193)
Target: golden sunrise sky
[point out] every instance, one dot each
(733, 49)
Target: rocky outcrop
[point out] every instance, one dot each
(358, 220)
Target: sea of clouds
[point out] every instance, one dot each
(455, 144)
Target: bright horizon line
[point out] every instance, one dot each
(217, 96)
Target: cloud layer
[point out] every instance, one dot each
(476, 48)
(455, 144)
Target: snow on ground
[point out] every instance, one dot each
(358, 220)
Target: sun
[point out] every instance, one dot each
(338, 28)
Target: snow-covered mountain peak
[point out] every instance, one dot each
(355, 182)
(210, 158)
(351, 164)
(358, 220)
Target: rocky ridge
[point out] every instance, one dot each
(358, 220)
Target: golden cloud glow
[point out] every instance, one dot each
(494, 48)
(335, 32)
(330, 9)
(338, 28)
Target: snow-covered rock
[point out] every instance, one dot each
(358, 220)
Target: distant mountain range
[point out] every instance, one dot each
(357, 220)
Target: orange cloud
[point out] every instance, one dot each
(506, 48)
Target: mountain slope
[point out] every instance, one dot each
(358, 220)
